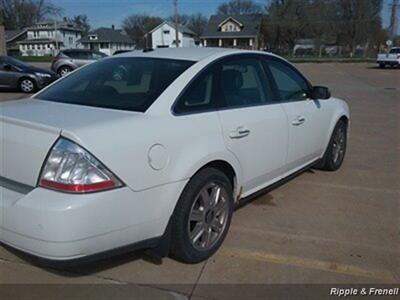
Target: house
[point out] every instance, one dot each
(163, 36)
(12, 39)
(234, 31)
(107, 40)
(46, 38)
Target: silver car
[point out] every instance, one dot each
(70, 59)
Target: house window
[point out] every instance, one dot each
(166, 31)
(71, 40)
(230, 27)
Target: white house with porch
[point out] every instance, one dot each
(234, 31)
(47, 38)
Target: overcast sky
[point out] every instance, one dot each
(108, 12)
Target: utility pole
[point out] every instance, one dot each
(55, 36)
(393, 19)
(176, 23)
(3, 48)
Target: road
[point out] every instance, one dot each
(321, 227)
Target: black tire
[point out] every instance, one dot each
(27, 85)
(64, 70)
(382, 65)
(182, 247)
(330, 162)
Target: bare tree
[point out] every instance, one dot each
(23, 13)
(137, 26)
(348, 23)
(239, 7)
(80, 21)
(195, 22)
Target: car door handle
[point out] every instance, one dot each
(240, 132)
(298, 121)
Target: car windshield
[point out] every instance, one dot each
(129, 83)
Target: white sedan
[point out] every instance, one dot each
(154, 149)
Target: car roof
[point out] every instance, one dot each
(192, 54)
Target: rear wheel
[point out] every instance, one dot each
(64, 70)
(334, 154)
(381, 65)
(27, 85)
(202, 216)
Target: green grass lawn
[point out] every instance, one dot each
(35, 58)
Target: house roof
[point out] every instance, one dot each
(51, 25)
(107, 35)
(250, 26)
(182, 28)
(13, 34)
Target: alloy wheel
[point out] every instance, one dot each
(338, 145)
(64, 71)
(208, 217)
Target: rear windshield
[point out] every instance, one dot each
(127, 83)
(395, 51)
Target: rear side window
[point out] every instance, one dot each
(243, 83)
(129, 83)
(78, 54)
(198, 96)
(291, 85)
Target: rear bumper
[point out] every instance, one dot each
(63, 227)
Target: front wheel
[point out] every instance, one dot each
(27, 85)
(202, 217)
(334, 154)
(64, 70)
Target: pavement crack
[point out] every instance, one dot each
(198, 279)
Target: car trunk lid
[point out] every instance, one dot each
(24, 146)
(29, 128)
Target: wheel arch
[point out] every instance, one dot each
(226, 163)
(340, 117)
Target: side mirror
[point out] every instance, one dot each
(320, 92)
(7, 67)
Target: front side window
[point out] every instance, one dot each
(243, 83)
(291, 85)
(129, 83)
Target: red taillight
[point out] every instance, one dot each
(70, 168)
(77, 188)
(55, 59)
